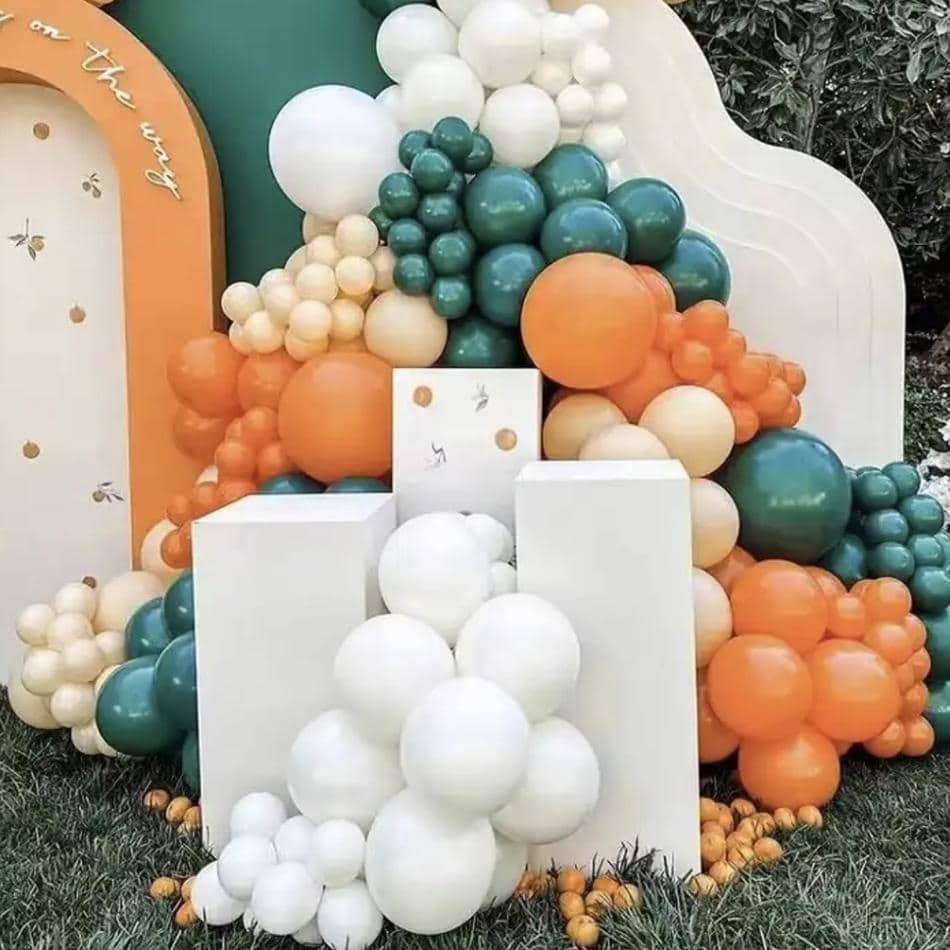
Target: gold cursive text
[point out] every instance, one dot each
(44, 29)
(164, 177)
(107, 70)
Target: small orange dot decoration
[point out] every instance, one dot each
(506, 439)
(422, 396)
(30, 450)
(41, 131)
(77, 314)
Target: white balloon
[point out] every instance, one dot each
(243, 860)
(285, 898)
(561, 35)
(522, 123)
(438, 86)
(29, 708)
(239, 301)
(593, 20)
(73, 704)
(386, 666)
(433, 568)
(606, 140)
(83, 661)
(112, 644)
(391, 99)
(559, 790)
(552, 75)
(150, 554)
(504, 579)
(337, 772)
(84, 738)
(293, 839)
(121, 596)
(208, 474)
(313, 225)
(615, 175)
(501, 41)
(211, 902)
(329, 149)
(103, 746)
(42, 671)
(510, 862)
(410, 33)
(495, 537)
(575, 105)
(427, 868)
(610, 102)
(250, 924)
(348, 918)
(103, 677)
(338, 848)
(591, 65)
(712, 616)
(258, 813)
(32, 623)
(76, 598)
(308, 935)
(66, 628)
(458, 10)
(357, 236)
(525, 645)
(570, 135)
(465, 745)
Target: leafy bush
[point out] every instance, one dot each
(865, 86)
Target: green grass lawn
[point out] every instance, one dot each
(78, 851)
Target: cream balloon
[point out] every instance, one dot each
(522, 123)
(712, 616)
(150, 554)
(84, 738)
(404, 331)
(65, 628)
(239, 301)
(28, 707)
(356, 235)
(715, 522)
(73, 704)
(42, 672)
(32, 623)
(411, 33)
(437, 86)
(83, 661)
(574, 420)
(121, 596)
(622, 442)
(76, 598)
(348, 918)
(313, 226)
(317, 281)
(346, 320)
(355, 276)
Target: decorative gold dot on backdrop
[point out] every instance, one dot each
(30, 450)
(422, 396)
(506, 439)
(41, 131)
(90, 581)
(77, 314)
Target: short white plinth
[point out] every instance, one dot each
(280, 580)
(460, 438)
(609, 543)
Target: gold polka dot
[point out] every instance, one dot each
(90, 581)
(41, 131)
(422, 396)
(77, 314)
(506, 439)
(30, 450)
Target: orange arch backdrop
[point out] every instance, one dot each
(172, 236)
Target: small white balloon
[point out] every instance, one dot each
(592, 65)
(293, 839)
(610, 102)
(83, 661)
(258, 813)
(357, 236)
(311, 321)
(297, 261)
(510, 862)
(409, 34)
(504, 579)
(239, 341)
(243, 860)
(438, 86)
(495, 537)
(346, 319)
(32, 623)
(262, 334)
(593, 20)
(522, 123)
(42, 671)
(150, 554)
(121, 596)
(575, 105)
(103, 746)
(65, 628)
(84, 738)
(570, 135)
(561, 35)
(391, 98)
(250, 924)
(501, 41)
(323, 250)
(76, 598)
(211, 902)
(308, 935)
(317, 281)
(606, 140)
(338, 849)
(73, 704)
(552, 75)
(303, 350)
(348, 918)
(279, 301)
(314, 226)
(285, 898)
(239, 301)
(384, 263)
(615, 175)
(28, 707)
(112, 645)
(355, 276)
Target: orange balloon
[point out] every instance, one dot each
(203, 374)
(234, 489)
(259, 427)
(794, 375)
(789, 417)
(588, 321)
(887, 599)
(174, 551)
(801, 769)
(916, 631)
(179, 509)
(759, 687)
(920, 737)
(335, 417)
(855, 691)
(890, 640)
(273, 461)
(888, 743)
(861, 587)
(718, 384)
(692, 361)
(920, 663)
(716, 741)
(706, 321)
(732, 567)
(780, 599)
(262, 378)
(197, 435)
(661, 290)
(842, 748)
(729, 348)
(204, 499)
(669, 332)
(772, 401)
(847, 617)
(235, 460)
(746, 420)
(831, 587)
(905, 677)
(915, 701)
(749, 374)
(636, 392)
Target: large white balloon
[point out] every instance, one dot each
(435, 569)
(211, 902)
(501, 41)
(386, 666)
(465, 745)
(337, 849)
(525, 645)
(427, 868)
(330, 147)
(510, 862)
(335, 771)
(285, 899)
(523, 124)
(258, 813)
(559, 789)
(121, 596)
(409, 34)
(437, 86)
(243, 860)
(30, 708)
(348, 918)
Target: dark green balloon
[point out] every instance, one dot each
(176, 683)
(924, 514)
(147, 633)
(191, 763)
(413, 274)
(943, 539)
(793, 495)
(456, 186)
(179, 604)
(476, 343)
(654, 216)
(580, 226)
(886, 525)
(127, 712)
(452, 253)
(432, 170)
(697, 270)
(451, 297)
(571, 171)
(938, 710)
(407, 236)
(873, 491)
(295, 483)
(938, 643)
(890, 559)
(481, 155)
(926, 550)
(382, 221)
(504, 206)
(503, 277)
(454, 137)
(439, 213)
(856, 521)
(398, 195)
(905, 477)
(411, 144)
(357, 486)
(930, 588)
(847, 560)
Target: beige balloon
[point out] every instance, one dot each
(404, 331)
(150, 554)
(622, 442)
(715, 522)
(240, 300)
(121, 596)
(712, 616)
(695, 425)
(31, 709)
(75, 598)
(574, 420)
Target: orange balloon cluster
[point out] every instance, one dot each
(812, 669)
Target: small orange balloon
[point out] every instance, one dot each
(916, 631)
(197, 435)
(203, 374)
(732, 567)
(890, 640)
(335, 417)
(842, 748)
(905, 677)
(861, 587)
(887, 599)
(636, 392)
(204, 499)
(847, 617)
(789, 417)
(831, 587)
(716, 741)
(855, 693)
(233, 490)
(888, 743)
(273, 461)
(746, 420)
(759, 687)
(718, 384)
(801, 769)
(920, 737)
(179, 509)
(259, 427)
(920, 663)
(749, 374)
(706, 321)
(588, 321)
(235, 431)
(263, 377)
(915, 701)
(794, 375)
(729, 348)
(772, 401)
(661, 290)
(692, 361)
(669, 332)
(235, 460)
(174, 552)
(780, 599)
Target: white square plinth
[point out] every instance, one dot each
(280, 580)
(609, 543)
(460, 438)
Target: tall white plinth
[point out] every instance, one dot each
(280, 580)
(609, 543)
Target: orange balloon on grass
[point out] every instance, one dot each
(197, 435)
(729, 348)
(716, 741)
(692, 361)
(203, 374)
(732, 567)
(588, 321)
(889, 742)
(263, 377)
(636, 392)
(746, 420)
(920, 737)
(174, 551)
(669, 332)
(749, 374)
(905, 677)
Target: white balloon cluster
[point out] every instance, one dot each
(73, 645)
(529, 78)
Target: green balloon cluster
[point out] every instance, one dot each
(938, 647)
(654, 216)
(294, 483)
(149, 705)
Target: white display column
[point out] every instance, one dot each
(609, 543)
(280, 580)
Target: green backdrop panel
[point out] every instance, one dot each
(240, 61)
